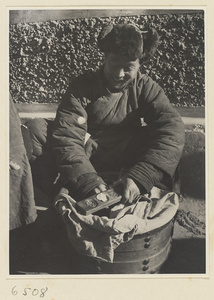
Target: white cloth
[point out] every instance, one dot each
(98, 236)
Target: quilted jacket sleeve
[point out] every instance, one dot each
(166, 137)
(69, 130)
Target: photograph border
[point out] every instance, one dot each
(162, 277)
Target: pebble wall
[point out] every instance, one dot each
(45, 56)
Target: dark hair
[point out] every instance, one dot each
(128, 40)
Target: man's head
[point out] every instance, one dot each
(119, 71)
(124, 46)
(122, 39)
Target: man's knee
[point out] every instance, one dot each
(38, 129)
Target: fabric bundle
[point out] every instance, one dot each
(98, 237)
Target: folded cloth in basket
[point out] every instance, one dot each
(97, 236)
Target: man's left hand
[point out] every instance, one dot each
(130, 190)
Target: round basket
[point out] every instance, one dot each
(144, 254)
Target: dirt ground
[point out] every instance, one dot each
(188, 254)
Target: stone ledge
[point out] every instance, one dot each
(190, 115)
(194, 112)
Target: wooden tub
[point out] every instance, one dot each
(144, 254)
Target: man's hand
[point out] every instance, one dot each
(130, 190)
(100, 188)
(90, 147)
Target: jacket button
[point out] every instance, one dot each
(145, 262)
(146, 245)
(145, 268)
(147, 239)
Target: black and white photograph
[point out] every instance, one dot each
(107, 142)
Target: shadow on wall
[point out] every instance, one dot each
(192, 165)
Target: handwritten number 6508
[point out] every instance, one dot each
(34, 292)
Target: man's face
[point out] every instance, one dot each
(119, 70)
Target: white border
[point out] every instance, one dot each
(104, 276)
(114, 289)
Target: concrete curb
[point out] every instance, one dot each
(51, 115)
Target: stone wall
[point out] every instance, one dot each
(45, 56)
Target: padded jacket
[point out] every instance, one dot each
(87, 106)
(22, 204)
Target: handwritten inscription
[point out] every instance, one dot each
(29, 291)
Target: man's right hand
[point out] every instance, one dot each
(100, 188)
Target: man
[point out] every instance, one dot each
(133, 127)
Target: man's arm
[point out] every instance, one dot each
(69, 130)
(166, 138)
